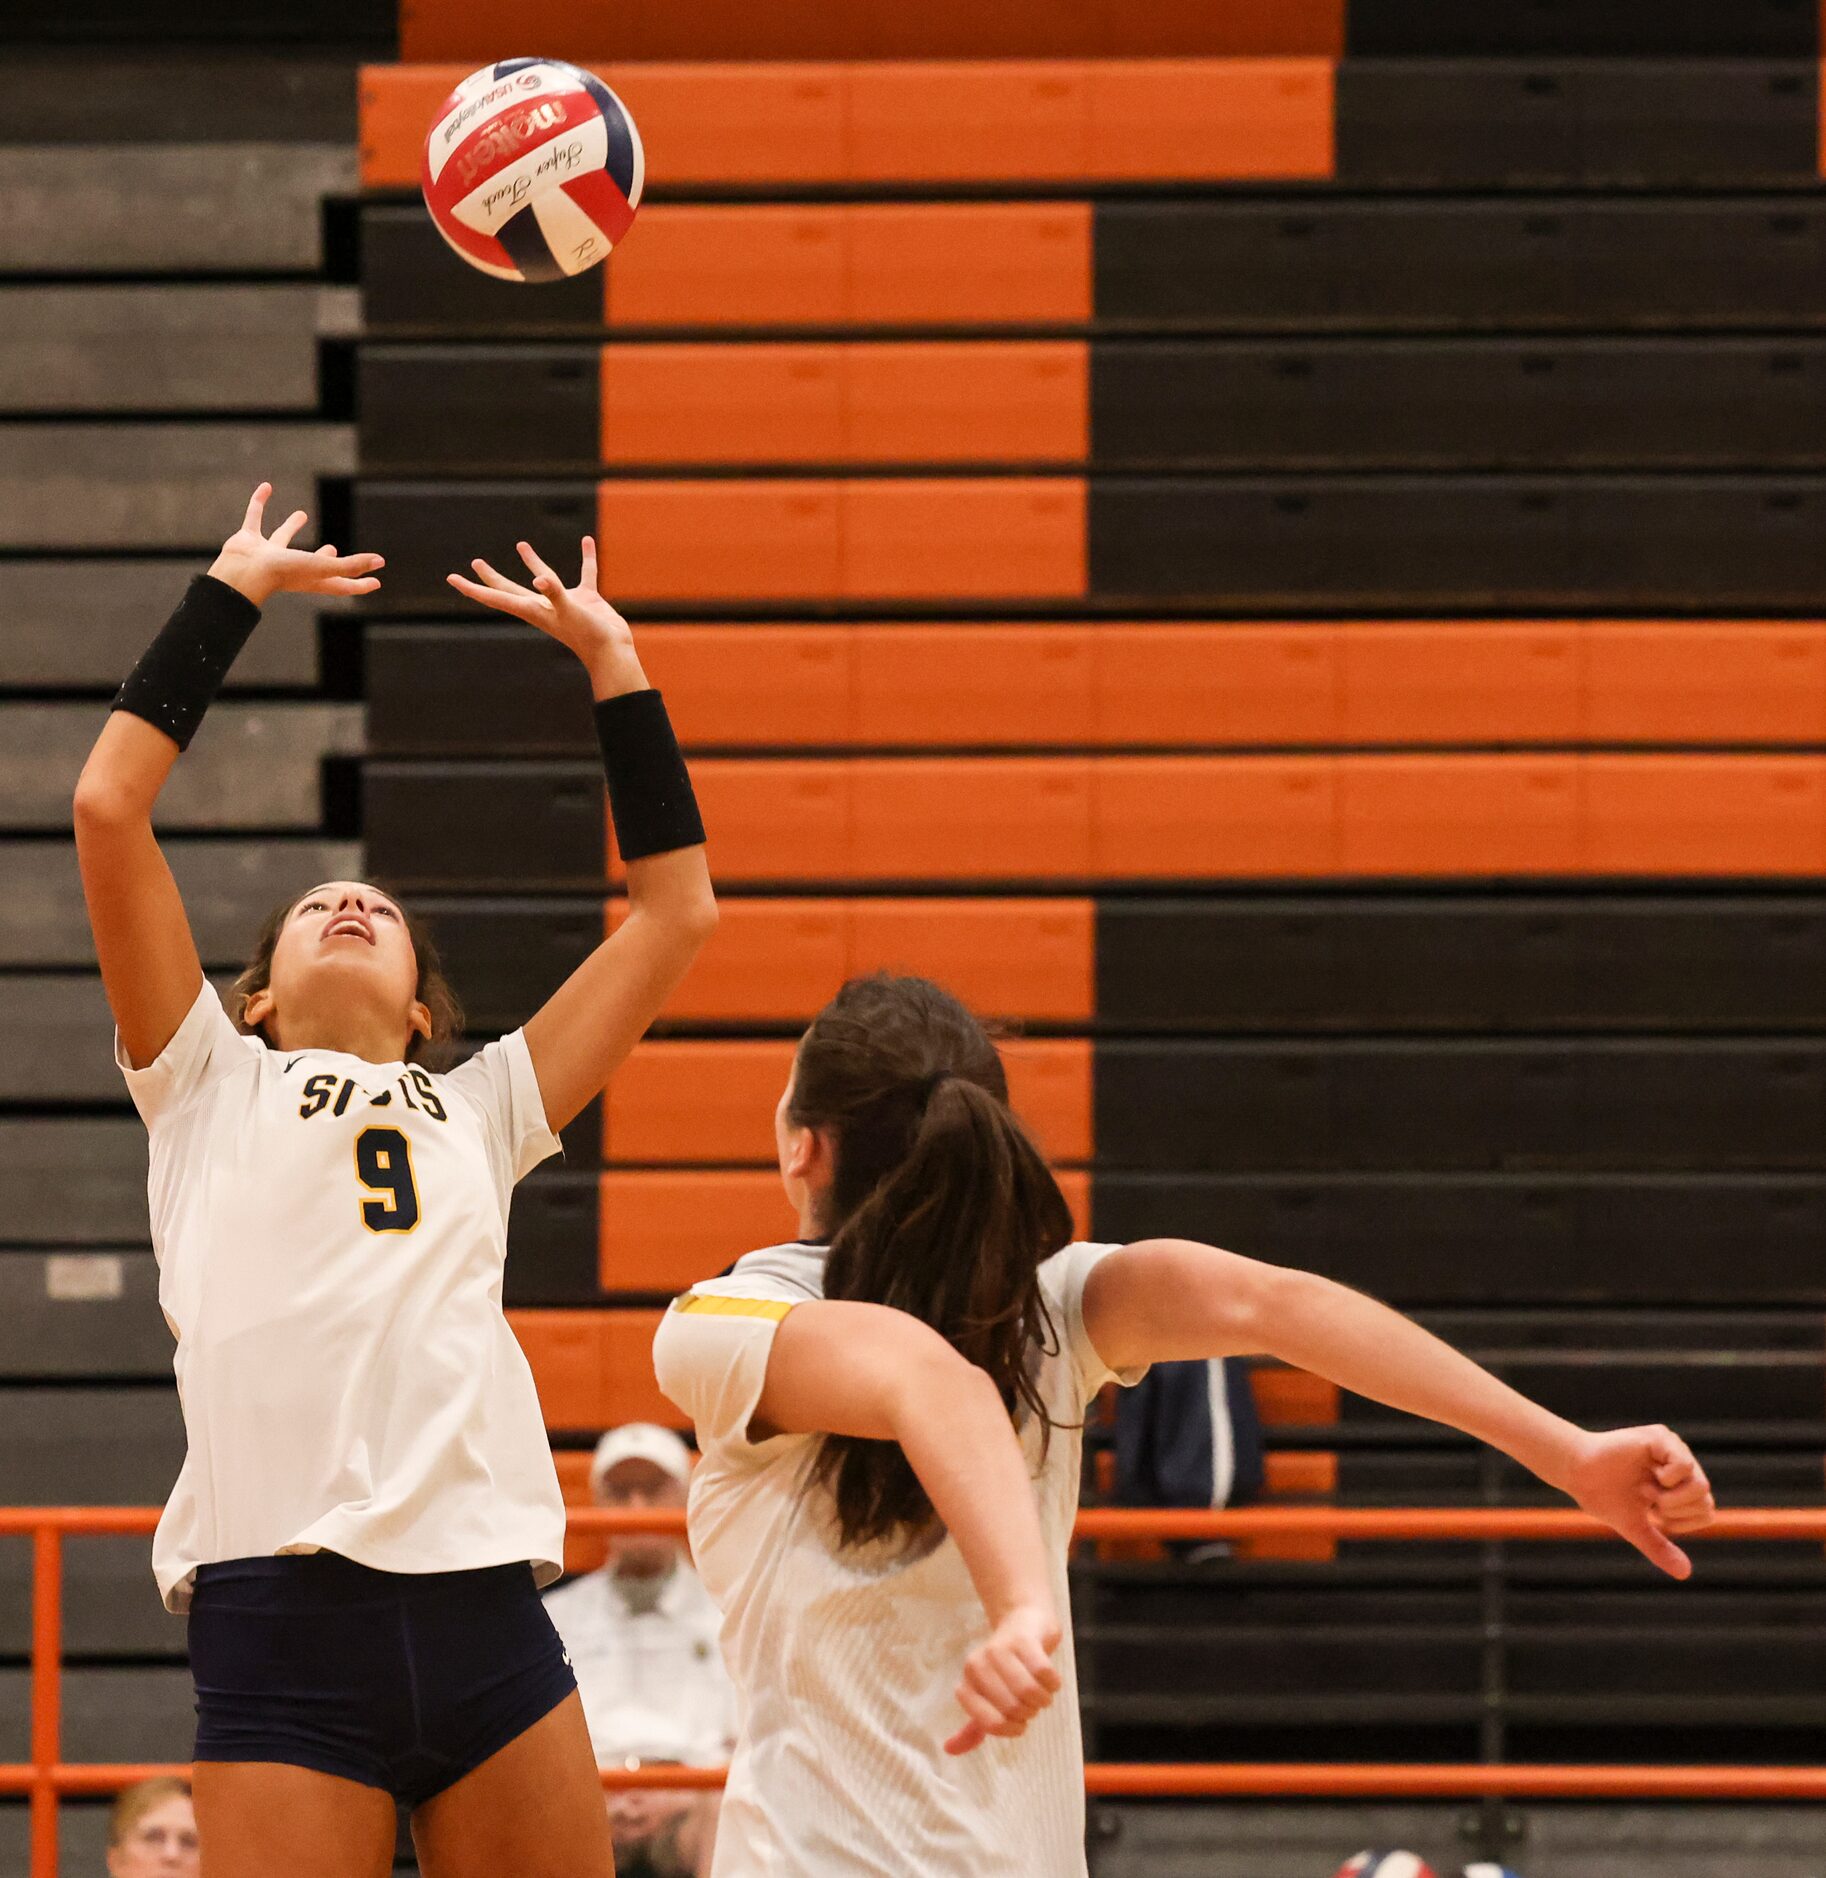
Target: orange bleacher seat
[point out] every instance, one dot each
(1112, 684)
(1232, 119)
(1000, 401)
(664, 1229)
(932, 121)
(886, 264)
(1249, 817)
(783, 959)
(1736, 682)
(594, 1368)
(583, 1552)
(1440, 683)
(712, 1102)
(789, 539)
(1161, 684)
(932, 686)
(1438, 815)
(1156, 818)
(593, 31)
(1736, 815)
(965, 538)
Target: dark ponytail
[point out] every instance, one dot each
(940, 1206)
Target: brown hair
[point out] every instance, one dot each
(940, 1206)
(138, 1800)
(432, 990)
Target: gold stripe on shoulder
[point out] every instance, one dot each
(710, 1305)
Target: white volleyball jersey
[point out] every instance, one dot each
(845, 1662)
(330, 1235)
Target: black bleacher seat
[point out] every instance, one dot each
(136, 1713)
(505, 957)
(167, 347)
(1462, 1105)
(90, 209)
(552, 1238)
(1515, 263)
(1453, 121)
(475, 689)
(479, 825)
(1454, 961)
(412, 283)
(229, 886)
(75, 1182)
(111, 1605)
(1458, 404)
(121, 602)
(90, 1445)
(1586, 28)
(434, 529)
(1459, 542)
(446, 409)
(75, 1316)
(252, 766)
(176, 486)
(1517, 1239)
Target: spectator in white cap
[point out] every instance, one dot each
(641, 1633)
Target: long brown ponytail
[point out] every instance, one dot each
(940, 1206)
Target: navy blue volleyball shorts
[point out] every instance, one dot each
(401, 1680)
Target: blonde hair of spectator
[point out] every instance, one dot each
(136, 1801)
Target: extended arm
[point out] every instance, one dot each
(584, 1031)
(149, 964)
(861, 1369)
(1163, 1299)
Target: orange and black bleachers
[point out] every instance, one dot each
(1277, 549)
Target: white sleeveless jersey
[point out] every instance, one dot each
(845, 1662)
(330, 1235)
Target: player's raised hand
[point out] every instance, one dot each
(577, 617)
(260, 565)
(1008, 1679)
(1645, 1483)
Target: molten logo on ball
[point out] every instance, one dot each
(533, 170)
(505, 137)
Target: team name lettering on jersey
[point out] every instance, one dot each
(326, 1091)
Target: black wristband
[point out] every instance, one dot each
(650, 796)
(179, 674)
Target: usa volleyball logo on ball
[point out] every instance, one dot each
(533, 169)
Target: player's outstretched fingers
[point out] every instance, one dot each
(530, 556)
(499, 581)
(503, 599)
(587, 578)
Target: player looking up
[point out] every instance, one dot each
(368, 1503)
(935, 1264)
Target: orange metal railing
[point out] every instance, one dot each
(47, 1779)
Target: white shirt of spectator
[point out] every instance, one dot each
(651, 1675)
(348, 1385)
(845, 1662)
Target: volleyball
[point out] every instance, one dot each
(532, 169)
(1385, 1865)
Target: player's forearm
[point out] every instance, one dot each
(956, 1433)
(122, 778)
(1373, 1351)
